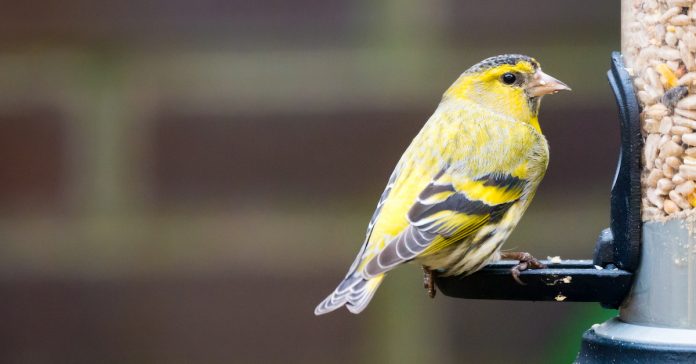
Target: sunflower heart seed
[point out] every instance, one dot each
(653, 177)
(670, 207)
(669, 149)
(688, 103)
(689, 114)
(657, 111)
(682, 121)
(688, 171)
(689, 139)
(685, 188)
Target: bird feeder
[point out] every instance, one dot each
(644, 264)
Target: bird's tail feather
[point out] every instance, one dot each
(355, 292)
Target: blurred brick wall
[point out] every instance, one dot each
(183, 181)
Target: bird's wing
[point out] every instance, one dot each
(448, 210)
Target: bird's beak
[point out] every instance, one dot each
(543, 84)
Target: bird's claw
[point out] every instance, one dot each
(429, 282)
(526, 261)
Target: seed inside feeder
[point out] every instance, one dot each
(658, 44)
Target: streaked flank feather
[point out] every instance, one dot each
(463, 183)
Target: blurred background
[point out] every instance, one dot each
(183, 181)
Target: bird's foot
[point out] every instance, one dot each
(429, 281)
(526, 261)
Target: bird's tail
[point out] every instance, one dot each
(355, 292)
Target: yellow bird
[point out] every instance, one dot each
(462, 185)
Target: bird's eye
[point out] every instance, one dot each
(509, 78)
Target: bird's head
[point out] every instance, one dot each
(512, 84)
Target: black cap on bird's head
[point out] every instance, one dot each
(509, 59)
